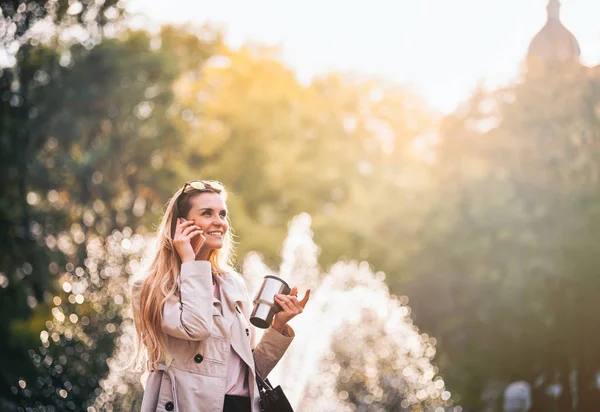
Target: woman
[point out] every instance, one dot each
(191, 313)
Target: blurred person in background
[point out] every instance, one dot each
(517, 397)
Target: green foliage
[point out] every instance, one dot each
(86, 140)
(508, 293)
(336, 149)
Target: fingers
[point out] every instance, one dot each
(187, 228)
(290, 307)
(194, 234)
(184, 233)
(181, 225)
(191, 229)
(178, 227)
(305, 298)
(290, 303)
(286, 304)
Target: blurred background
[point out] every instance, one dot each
(442, 154)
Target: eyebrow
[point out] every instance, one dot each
(210, 208)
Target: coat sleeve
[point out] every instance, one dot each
(270, 349)
(189, 315)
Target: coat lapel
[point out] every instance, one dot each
(232, 299)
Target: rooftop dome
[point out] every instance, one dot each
(554, 43)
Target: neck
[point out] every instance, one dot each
(203, 254)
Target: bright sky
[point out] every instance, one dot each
(441, 48)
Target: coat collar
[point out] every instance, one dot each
(230, 289)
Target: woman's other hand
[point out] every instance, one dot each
(291, 307)
(185, 231)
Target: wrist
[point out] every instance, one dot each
(278, 326)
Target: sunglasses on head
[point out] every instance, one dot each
(204, 185)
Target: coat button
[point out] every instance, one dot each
(198, 358)
(169, 406)
(247, 332)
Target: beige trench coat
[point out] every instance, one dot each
(199, 339)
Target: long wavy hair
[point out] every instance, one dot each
(160, 280)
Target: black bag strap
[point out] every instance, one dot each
(263, 385)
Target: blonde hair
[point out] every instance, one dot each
(160, 282)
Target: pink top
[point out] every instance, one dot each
(237, 370)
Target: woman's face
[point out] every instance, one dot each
(209, 212)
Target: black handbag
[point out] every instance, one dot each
(272, 399)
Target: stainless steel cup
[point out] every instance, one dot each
(265, 307)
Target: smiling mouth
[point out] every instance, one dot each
(218, 234)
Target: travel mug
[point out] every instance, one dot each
(265, 307)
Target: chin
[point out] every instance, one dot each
(215, 245)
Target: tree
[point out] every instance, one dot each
(100, 139)
(337, 149)
(513, 237)
(24, 262)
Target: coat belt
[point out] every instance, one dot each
(169, 371)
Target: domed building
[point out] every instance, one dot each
(554, 46)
